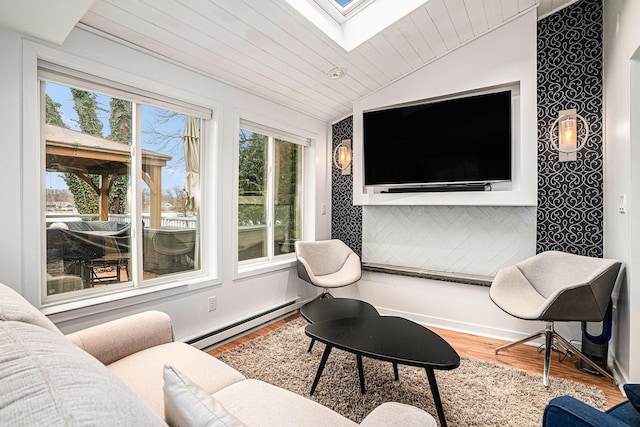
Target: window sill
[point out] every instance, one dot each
(69, 310)
(250, 270)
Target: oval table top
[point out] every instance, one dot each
(388, 338)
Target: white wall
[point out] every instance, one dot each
(622, 139)
(20, 181)
(10, 120)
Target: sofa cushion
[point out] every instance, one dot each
(142, 371)
(13, 306)
(398, 415)
(186, 404)
(46, 380)
(633, 394)
(257, 403)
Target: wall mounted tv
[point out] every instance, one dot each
(451, 143)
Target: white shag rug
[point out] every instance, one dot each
(477, 393)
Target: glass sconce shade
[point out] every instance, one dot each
(565, 139)
(342, 157)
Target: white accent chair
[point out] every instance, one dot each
(556, 286)
(327, 264)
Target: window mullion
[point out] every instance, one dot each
(136, 193)
(270, 196)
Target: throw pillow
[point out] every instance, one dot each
(14, 307)
(633, 394)
(186, 404)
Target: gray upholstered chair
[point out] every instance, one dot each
(327, 264)
(556, 286)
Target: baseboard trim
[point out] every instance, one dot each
(244, 325)
(457, 326)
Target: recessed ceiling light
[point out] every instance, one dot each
(337, 73)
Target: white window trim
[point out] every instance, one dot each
(248, 121)
(33, 187)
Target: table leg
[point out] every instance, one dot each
(436, 396)
(360, 373)
(313, 341)
(395, 371)
(323, 361)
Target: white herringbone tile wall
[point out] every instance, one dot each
(458, 239)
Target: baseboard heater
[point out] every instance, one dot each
(243, 325)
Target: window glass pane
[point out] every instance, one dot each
(87, 178)
(288, 196)
(252, 196)
(170, 192)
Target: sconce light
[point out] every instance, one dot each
(342, 157)
(567, 136)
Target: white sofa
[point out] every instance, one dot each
(118, 379)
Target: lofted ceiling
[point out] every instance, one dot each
(268, 48)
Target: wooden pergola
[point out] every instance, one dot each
(83, 155)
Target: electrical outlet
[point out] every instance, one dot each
(212, 303)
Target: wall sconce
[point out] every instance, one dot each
(342, 157)
(567, 136)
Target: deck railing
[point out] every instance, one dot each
(165, 221)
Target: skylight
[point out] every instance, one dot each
(341, 10)
(352, 22)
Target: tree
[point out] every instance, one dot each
(52, 112)
(253, 160)
(86, 107)
(252, 177)
(120, 124)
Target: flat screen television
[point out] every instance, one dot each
(460, 141)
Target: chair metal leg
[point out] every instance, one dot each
(550, 337)
(585, 358)
(523, 340)
(325, 294)
(548, 342)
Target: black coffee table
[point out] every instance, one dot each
(335, 308)
(388, 338)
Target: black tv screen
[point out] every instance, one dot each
(454, 141)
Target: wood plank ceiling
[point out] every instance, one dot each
(267, 48)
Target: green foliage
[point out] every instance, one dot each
(253, 160)
(86, 107)
(120, 120)
(288, 176)
(252, 179)
(85, 197)
(52, 112)
(120, 124)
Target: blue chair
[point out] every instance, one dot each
(565, 411)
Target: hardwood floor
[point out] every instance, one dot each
(523, 357)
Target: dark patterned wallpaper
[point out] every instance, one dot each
(346, 219)
(570, 201)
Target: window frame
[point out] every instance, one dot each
(273, 131)
(207, 271)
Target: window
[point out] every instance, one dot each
(269, 193)
(122, 187)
